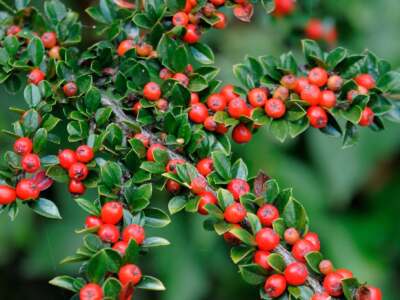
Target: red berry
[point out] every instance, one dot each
(291, 235)
(326, 267)
(78, 171)
(27, 189)
(369, 293)
(311, 94)
(267, 239)
(172, 186)
(124, 47)
(289, 81)
(296, 273)
(198, 113)
(313, 239)
(70, 89)
(136, 108)
(275, 108)
(275, 285)
(210, 124)
(333, 284)
(93, 221)
(180, 19)
(129, 274)
(221, 24)
(36, 76)
(301, 84)
(67, 158)
(314, 29)
(218, 2)
(171, 165)
(30, 163)
(317, 116)
(301, 248)
(109, 233)
(181, 78)
(267, 214)
(112, 212)
(367, 117)
(261, 259)
(344, 273)
(235, 213)
(49, 39)
(206, 198)
(162, 104)
(144, 138)
(150, 151)
(335, 83)
(84, 154)
(54, 53)
(328, 99)
(121, 247)
(318, 76)
(76, 187)
(284, 7)
(152, 91)
(281, 93)
(205, 166)
(216, 102)
(321, 296)
(194, 98)
(228, 92)
(237, 107)
(238, 187)
(7, 195)
(23, 146)
(241, 134)
(134, 232)
(257, 97)
(91, 291)
(365, 80)
(165, 74)
(198, 185)
(13, 30)
(192, 34)
(221, 128)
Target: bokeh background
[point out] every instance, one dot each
(352, 195)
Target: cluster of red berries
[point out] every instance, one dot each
(142, 49)
(75, 162)
(316, 29)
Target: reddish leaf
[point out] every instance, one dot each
(259, 188)
(42, 181)
(244, 12)
(124, 4)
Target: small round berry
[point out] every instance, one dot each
(129, 274)
(67, 158)
(171, 165)
(162, 104)
(333, 284)
(275, 285)
(181, 78)
(84, 153)
(216, 102)
(54, 53)
(275, 108)
(238, 187)
(205, 166)
(267, 214)
(296, 273)
(152, 91)
(301, 84)
(257, 97)
(194, 98)
(136, 108)
(335, 83)
(108, 233)
(317, 116)
(318, 76)
(321, 296)
(301, 248)
(36, 76)
(27, 189)
(346, 274)
(221, 128)
(281, 93)
(369, 293)
(133, 232)
(237, 107)
(13, 30)
(70, 89)
(289, 81)
(7, 195)
(241, 134)
(311, 94)
(365, 80)
(313, 238)
(261, 259)
(206, 198)
(23, 146)
(198, 185)
(180, 19)
(112, 212)
(228, 92)
(210, 124)
(144, 138)
(314, 29)
(352, 94)
(93, 221)
(192, 34)
(78, 171)
(76, 187)
(143, 49)
(49, 39)
(165, 74)
(150, 151)
(326, 267)
(218, 2)
(91, 291)
(172, 186)
(198, 113)
(367, 117)
(267, 239)
(291, 236)
(121, 247)
(124, 47)
(328, 99)
(221, 24)
(235, 213)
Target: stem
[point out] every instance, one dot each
(121, 118)
(8, 7)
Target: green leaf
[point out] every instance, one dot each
(40, 140)
(350, 287)
(55, 11)
(313, 260)
(11, 44)
(335, 57)
(58, 174)
(176, 204)
(202, 53)
(294, 215)
(111, 174)
(244, 75)
(155, 242)
(276, 262)
(222, 165)
(272, 190)
(64, 282)
(138, 197)
(107, 8)
(92, 99)
(279, 129)
(36, 51)
(239, 170)
(21, 4)
(252, 274)
(351, 135)
(389, 82)
(353, 114)
(240, 252)
(104, 261)
(150, 283)
(32, 95)
(180, 60)
(269, 5)
(156, 218)
(243, 235)
(45, 208)
(112, 287)
(88, 206)
(312, 52)
(198, 83)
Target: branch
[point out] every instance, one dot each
(122, 119)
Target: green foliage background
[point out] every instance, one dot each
(352, 195)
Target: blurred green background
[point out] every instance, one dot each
(352, 195)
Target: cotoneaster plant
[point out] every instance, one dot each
(143, 110)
